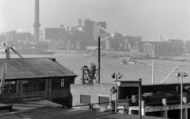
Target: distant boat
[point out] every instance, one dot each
(128, 60)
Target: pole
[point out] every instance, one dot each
(116, 95)
(82, 74)
(3, 76)
(140, 91)
(153, 64)
(99, 60)
(181, 97)
(36, 20)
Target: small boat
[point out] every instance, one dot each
(128, 60)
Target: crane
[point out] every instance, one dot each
(105, 36)
(173, 70)
(3, 75)
(7, 50)
(4, 66)
(110, 34)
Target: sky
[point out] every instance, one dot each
(146, 18)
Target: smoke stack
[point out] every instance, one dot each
(36, 21)
(79, 22)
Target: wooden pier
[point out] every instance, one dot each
(163, 108)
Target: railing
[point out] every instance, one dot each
(160, 103)
(91, 105)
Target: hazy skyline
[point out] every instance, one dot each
(146, 18)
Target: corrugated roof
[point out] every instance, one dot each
(19, 68)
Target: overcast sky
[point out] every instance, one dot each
(146, 18)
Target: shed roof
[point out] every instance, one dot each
(24, 68)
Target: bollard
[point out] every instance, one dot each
(164, 101)
(165, 113)
(143, 107)
(185, 109)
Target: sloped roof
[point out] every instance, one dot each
(21, 68)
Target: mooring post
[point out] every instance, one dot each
(186, 108)
(143, 108)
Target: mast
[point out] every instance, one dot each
(153, 63)
(36, 21)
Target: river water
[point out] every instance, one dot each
(75, 60)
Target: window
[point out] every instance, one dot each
(103, 99)
(58, 83)
(62, 83)
(33, 85)
(10, 87)
(85, 99)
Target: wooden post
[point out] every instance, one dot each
(116, 95)
(49, 88)
(99, 59)
(185, 115)
(140, 106)
(165, 112)
(46, 88)
(181, 99)
(18, 88)
(143, 107)
(82, 74)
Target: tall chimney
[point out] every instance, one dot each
(36, 21)
(79, 22)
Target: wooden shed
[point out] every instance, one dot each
(36, 78)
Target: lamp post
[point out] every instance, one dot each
(116, 97)
(181, 99)
(181, 75)
(117, 83)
